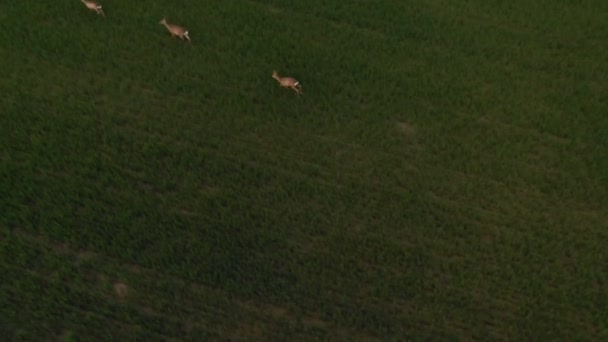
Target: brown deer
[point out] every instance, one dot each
(176, 31)
(288, 82)
(94, 6)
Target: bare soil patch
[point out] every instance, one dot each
(85, 255)
(407, 129)
(121, 289)
(275, 10)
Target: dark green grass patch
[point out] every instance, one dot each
(442, 177)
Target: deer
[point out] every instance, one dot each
(94, 6)
(288, 82)
(176, 31)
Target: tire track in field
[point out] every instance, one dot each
(336, 24)
(528, 131)
(247, 145)
(299, 158)
(272, 163)
(281, 157)
(50, 280)
(87, 314)
(148, 306)
(285, 156)
(370, 184)
(160, 102)
(148, 290)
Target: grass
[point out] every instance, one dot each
(442, 178)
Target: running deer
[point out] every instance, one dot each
(94, 6)
(176, 31)
(288, 82)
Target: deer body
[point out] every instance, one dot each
(94, 6)
(176, 31)
(288, 82)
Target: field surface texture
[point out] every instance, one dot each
(444, 175)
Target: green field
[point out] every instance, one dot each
(444, 176)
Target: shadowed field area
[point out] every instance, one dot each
(443, 177)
